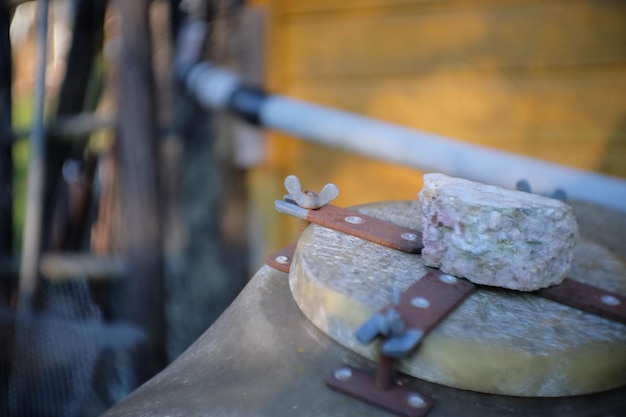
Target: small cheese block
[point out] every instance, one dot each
(493, 236)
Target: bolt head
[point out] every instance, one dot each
(448, 279)
(416, 401)
(343, 374)
(610, 300)
(420, 302)
(282, 259)
(354, 219)
(409, 236)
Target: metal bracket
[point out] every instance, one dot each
(587, 298)
(350, 222)
(281, 259)
(396, 399)
(402, 325)
(358, 224)
(421, 308)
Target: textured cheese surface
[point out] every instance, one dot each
(493, 236)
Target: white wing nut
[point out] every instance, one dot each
(493, 236)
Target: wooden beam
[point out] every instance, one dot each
(57, 267)
(6, 158)
(74, 129)
(137, 148)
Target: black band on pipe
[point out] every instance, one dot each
(246, 102)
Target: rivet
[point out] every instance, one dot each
(448, 279)
(420, 302)
(343, 374)
(354, 219)
(282, 259)
(409, 236)
(610, 300)
(416, 401)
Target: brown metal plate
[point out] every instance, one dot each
(282, 258)
(431, 299)
(588, 298)
(366, 227)
(396, 399)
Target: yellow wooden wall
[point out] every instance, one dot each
(544, 78)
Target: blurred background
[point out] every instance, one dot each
(151, 213)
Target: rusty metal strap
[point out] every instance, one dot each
(397, 399)
(420, 308)
(588, 298)
(430, 300)
(282, 258)
(358, 224)
(350, 222)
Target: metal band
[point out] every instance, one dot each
(588, 298)
(397, 399)
(247, 102)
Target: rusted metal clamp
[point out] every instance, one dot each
(402, 326)
(340, 219)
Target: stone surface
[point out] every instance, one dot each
(498, 341)
(493, 236)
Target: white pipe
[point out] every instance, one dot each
(401, 145)
(432, 153)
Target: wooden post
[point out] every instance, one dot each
(64, 233)
(33, 227)
(142, 301)
(6, 136)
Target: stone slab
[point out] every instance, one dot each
(498, 341)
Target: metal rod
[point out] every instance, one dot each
(384, 376)
(31, 247)
(218, 88)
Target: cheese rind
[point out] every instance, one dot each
(493, 236)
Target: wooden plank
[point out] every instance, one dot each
(355, 6)
(545, 79)
(572, 117)
(558, 100)
(528, 36)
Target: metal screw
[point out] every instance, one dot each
(610, 300)
(448, 279)
(420, 302)
(343, 374)
(416, 401)
(309, 199)
(354, 219)
(282, 259)
(409, 236)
